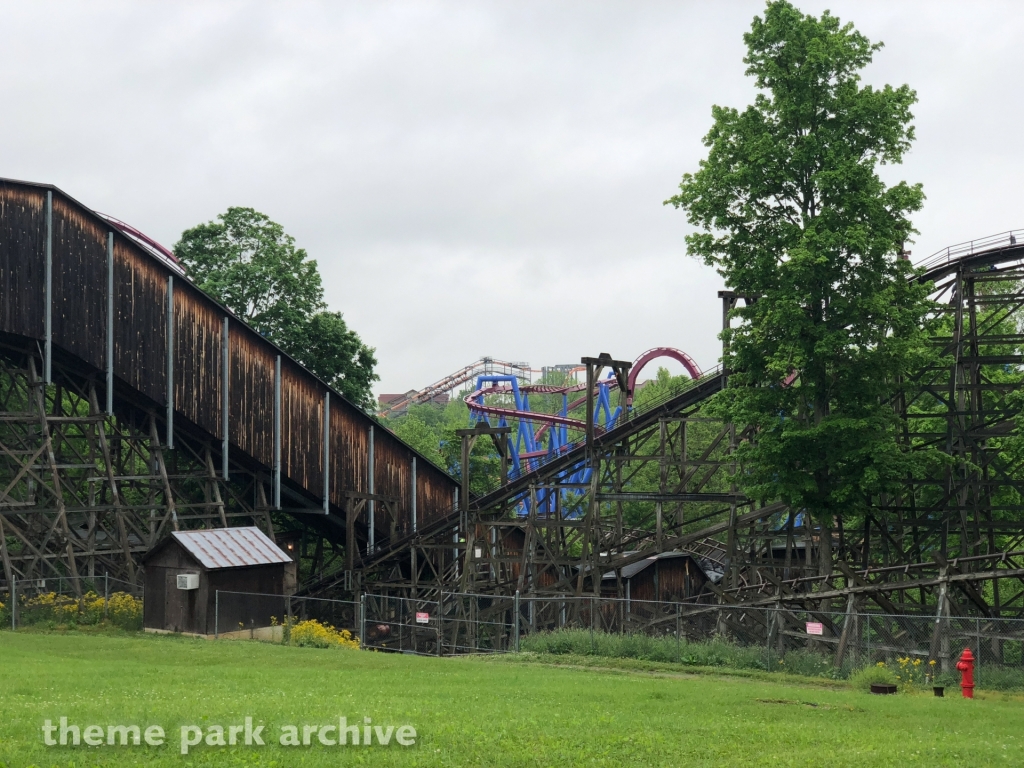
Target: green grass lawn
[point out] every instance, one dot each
(468, 711)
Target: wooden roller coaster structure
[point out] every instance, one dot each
(948, 543)
(132, 404)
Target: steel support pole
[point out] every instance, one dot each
(467, 448)
(170, 361)
(371, 508)
(592, 373)
(277, 432)
(48, 309)
(415, 490)
(327, 453)
(110, 323)
(225, 399)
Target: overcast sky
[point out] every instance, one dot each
(474, 178)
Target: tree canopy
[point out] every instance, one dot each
(250, 264)
(792, 212)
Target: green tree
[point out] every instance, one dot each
(336, 353)
(791, 211)
(249, 263)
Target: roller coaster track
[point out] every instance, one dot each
(483, 366)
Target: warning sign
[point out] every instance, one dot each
(815, 628)
(424, 618)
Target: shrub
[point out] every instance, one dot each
(878, 674)
(910, 673)
(809, 664)
(712, 653)
(57, 610)
(994, 678)
(312, 634)
(125, 611)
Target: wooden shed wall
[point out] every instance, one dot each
(79, 322)
(673, 578)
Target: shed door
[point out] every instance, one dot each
(179, 604)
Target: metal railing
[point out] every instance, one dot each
(1003, 240)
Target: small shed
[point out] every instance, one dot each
(185, 570)
(668, 576)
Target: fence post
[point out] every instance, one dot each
(106, 593)
(440, 626)
(679, 628)
(14, 601)
(977, 666)
(288, 618)
(768, 639)
(517, 621)
(867, 639)
(216, 614)
(592, 646)
(362, 621)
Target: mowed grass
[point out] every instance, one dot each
(468, 711)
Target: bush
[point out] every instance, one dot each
(580, 642)
(57, 610)
(993, 678)
(125, 611)
(879, 674)
(809, 664)
(313, 634)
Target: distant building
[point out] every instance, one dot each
(669, 576)
(185, 570)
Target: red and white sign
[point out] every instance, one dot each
(815, 628)
(424, 618)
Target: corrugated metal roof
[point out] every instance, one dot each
(231, 547)
(631, 570)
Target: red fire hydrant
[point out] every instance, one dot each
(966, 667)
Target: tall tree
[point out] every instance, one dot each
(250, 264)
(336, 353)
(791, 211)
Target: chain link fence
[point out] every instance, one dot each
(452, 624)
(918, 649)
(258, 616)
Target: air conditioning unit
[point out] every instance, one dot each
(188, 581)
